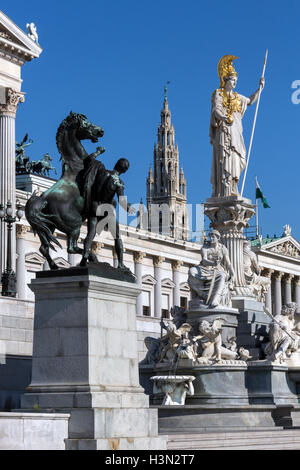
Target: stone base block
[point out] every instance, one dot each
(33, 431)
(139, 443)
(214, 418)
(270, 383)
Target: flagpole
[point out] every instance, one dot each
(254, 123)
(256, 208)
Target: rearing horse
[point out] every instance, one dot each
(62, 206)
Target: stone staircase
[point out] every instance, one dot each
(277, 439)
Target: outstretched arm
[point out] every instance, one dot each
(253, 98)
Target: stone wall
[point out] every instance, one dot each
(16, 333)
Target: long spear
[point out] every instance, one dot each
(254, 122)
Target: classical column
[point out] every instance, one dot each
(8, 166)
(297, 293)
(268, 300)
(176, 265)
(278, 299)
(230, 215)
(138, 271)
(21, 231)
(157, 261)
(288, 288)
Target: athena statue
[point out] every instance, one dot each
(226, 130)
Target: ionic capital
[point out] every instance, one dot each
(158, 261)
(13, 98)
(288, 278)
(297, 280)
(268, 272)
(21, 230)
(138, 256)
(96, 247)
(278, 275)
(176, 264)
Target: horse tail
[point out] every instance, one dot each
(40, 222)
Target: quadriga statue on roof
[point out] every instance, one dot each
(226, 130)
(210, 280)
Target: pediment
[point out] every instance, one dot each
(148, 279)
(286, 246)
(185, 287)
(34, 258)
(14, 41)
(61, 262)
(167, 283)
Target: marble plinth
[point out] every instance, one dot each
(85, 361)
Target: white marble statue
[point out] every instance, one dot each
(174, 387)
(211, 279)
(176, 343)
(32, 32)
(259, 284)
(226, 130)
(284, 335)
(211, 343)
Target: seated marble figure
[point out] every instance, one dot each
(211, 280)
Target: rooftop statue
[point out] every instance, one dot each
(226, 130)
(40, 167)
(210, 280)
(22, 160)
(32, 32)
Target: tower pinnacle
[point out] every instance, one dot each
(166, 184)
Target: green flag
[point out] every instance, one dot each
(259, 195)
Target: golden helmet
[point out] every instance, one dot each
(225, 68)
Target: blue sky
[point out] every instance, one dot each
(111, 59)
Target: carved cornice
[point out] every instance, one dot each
(21, 230)
(139, 256)
(176, 264)
(13, 98)
(158, 261)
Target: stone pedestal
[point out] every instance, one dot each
(230, 215)
(85, 360)
(253, 326)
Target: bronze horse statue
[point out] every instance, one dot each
(62, 206)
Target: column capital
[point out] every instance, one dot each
(21, 230)
(267, 272)
(96, 247)
(288, 278)
(297, 280)
(158, 261)
(13, 98)
(278, 275)
(139, 256)
(176, 264)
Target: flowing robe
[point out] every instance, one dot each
(229, 152)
